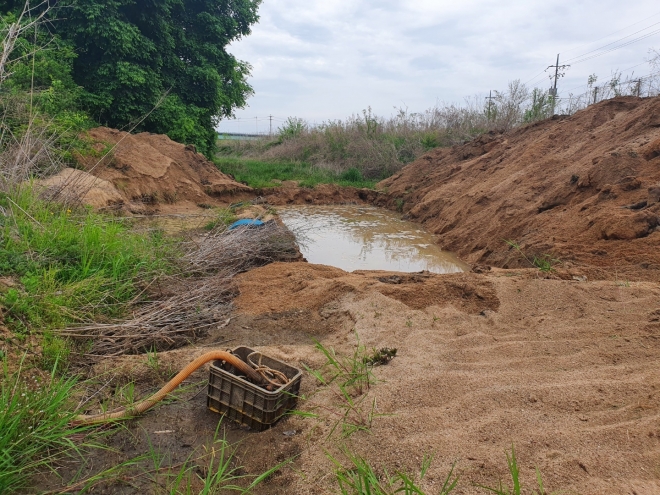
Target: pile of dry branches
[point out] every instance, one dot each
(197, 300)
(241, 249)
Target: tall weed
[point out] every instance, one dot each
(380, 146)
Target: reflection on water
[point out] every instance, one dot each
(366, 238)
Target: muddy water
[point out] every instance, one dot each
(366, 238)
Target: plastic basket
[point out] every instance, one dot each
(243, 401)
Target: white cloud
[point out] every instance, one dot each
(329, 59)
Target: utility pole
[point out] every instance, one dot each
(638, 87)
(490, 101)
(553, 90)
(256, 125)
(270, 133)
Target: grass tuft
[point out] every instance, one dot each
(514, 471)
(544, 262)
(360, 478)
(35, 429)
(74, 265)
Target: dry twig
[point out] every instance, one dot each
(196, 303)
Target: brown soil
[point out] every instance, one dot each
(584, 188)
(323, 194)
(564, 370)
(150, 170)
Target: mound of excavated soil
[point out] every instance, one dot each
(323, 194)
(73, 186)
(151, 169)
(583, 188)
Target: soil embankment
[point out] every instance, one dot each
(584, 188)
(289, 193)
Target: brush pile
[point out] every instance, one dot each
(197, 299)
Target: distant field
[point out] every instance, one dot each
(259, 174)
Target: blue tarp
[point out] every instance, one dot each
(246, 222)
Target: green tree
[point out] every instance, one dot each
(134, 55)
(133, 52)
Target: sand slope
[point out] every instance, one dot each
(142, 172)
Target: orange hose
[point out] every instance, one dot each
(140, 407)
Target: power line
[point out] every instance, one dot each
(615, 32)
(638, 79)
(648, 35)
(622, 72)
(581, 58)
(537, 75)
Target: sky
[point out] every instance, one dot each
(329, 59)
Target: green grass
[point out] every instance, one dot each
(222, 473)
(544, 262)
(260, 174)
(352, 373)
(516, 488)
(360, 478)
(349, 379)
(73, 264)
(35, 429)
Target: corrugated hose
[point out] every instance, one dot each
(257, 376)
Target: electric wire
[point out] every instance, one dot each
(597, 51)
(615, 32)
(616, 41)
(648, 35)
(584, 57)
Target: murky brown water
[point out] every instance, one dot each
(366, 238)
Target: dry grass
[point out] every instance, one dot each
(33, 154)
(378, 147)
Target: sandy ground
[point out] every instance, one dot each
(567, 371)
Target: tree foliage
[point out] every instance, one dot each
(131, 56)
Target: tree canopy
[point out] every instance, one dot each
(165, 60)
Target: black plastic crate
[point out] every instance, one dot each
(243, 401)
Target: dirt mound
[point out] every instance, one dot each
(149, 169)
(283, 288)
(77, 186)
(323, 194)
(584, 188)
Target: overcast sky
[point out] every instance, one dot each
(328, 59)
